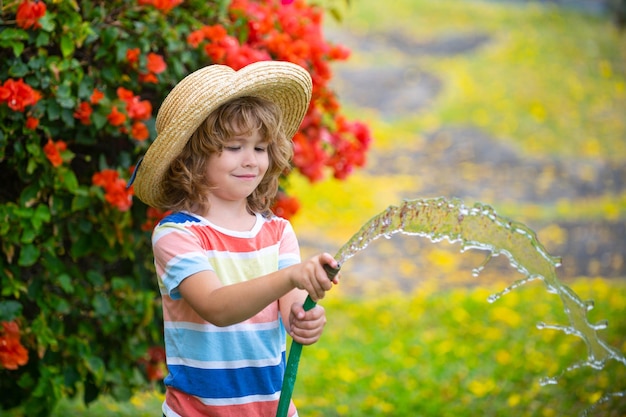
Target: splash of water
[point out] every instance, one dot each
(479, 227)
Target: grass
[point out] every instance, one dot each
(445, 353)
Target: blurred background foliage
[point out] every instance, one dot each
(549, 80)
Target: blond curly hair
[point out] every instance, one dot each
(185, 183)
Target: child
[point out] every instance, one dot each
(229, 271)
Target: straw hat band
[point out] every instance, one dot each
(192, 100)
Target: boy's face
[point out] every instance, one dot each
(239, 168)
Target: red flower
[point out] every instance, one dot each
(53, 152)
(309, 156)
(156, 64)
(139, 109)
(132, 56)
(154, 216)
(116, 118)
(18, 95)
(139, 131)
(32, 123)
(240, 56)
(163, 5)
(96, 96)
(148, 78)
(125, 94)
(12, 353)
(104, 177)
(214, 33)
(286, 206)
(136, 108)
(115, 191)
(195, 37)
(28, 14)
(155, 363)
(83, 113)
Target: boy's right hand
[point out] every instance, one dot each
(312, 276)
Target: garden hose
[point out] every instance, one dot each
(293, 360)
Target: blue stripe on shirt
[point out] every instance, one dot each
(200, 345)
(227, 383)
(179, 217)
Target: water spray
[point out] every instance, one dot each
(478, 227)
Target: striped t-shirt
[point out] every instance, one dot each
(221, 371)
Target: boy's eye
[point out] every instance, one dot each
(260, 148)
(232, 148)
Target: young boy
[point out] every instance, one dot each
(229, 271)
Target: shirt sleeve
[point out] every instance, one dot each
(178, 254)
(289, 251)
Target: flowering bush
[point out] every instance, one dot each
(80, 83)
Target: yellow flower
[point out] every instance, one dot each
(480, 388)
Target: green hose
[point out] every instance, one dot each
(293, 360)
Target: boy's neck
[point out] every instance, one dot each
(230, 216)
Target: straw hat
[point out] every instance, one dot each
(201, 92)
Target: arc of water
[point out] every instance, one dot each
(479, 227)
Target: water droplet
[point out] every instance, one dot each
(601, 325)
(493, 298)
(548, 381)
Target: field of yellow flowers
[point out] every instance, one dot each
(420, 338)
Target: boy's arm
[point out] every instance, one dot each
(230, 304)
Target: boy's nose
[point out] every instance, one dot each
(250, 158)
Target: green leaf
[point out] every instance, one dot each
(67, 116)
(37, 62)
(30, 195)
(85, 88)
(67, 179)
(31, 166)
(64, 96)
(13, 38)
(101, 305)
(28, 235)
(67, 45)
(65, 282)
(43, 39)
(13, 34)
(42, 214)
(47, 22)
(80, 202)
(95, 278)
(81, 247)
(18, 70)
(62, 306)
(99, 119)
(18, 48)
(53, 109)
(9, 310)
(29, 254)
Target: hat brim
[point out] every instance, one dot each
(192, 100)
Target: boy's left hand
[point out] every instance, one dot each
(306, 327)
